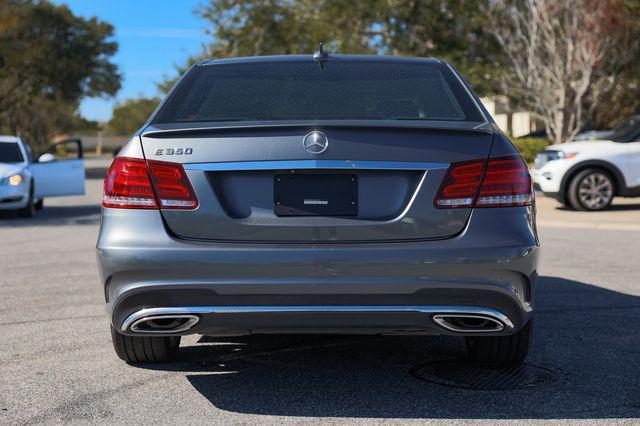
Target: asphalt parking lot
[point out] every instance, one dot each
(57, 363)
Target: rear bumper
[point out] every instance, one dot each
(348, 288)
(313, 319)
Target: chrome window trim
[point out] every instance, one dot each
(315, 164)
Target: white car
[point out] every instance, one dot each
(587, 175)
(25, 182)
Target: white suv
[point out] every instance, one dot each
(587, 175)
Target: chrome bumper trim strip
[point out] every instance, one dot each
(223, 310)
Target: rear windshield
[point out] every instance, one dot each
(10, 153)
(301, 90)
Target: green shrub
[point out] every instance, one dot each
(529, 147)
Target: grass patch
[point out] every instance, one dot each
(529, 147)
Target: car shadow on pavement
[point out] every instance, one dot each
(588, 335)
(54, 216)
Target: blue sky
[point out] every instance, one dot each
(153, 36)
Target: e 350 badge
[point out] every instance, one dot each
(174, 151)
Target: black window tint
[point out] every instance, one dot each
(301, 90)
(627, 131)
(10, 153)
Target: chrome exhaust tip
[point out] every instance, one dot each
(469, 323)
(165, 324)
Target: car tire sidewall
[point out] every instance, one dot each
(574, 197)
(30, 209)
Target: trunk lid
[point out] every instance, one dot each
(394, 174)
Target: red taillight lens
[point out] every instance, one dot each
(172, 186)
(127, 185)
(132, 183)
(460, 185)
(505, 182)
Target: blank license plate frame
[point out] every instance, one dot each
(315, 194)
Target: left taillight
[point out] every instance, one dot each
(132, 183)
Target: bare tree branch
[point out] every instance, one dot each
(555, 49)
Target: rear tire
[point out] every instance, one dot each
(591, 190)
(145, 349)
(501, 350)
(30, 209)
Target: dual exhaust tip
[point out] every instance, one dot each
(164, 323)
(468, 323)
(455, 322)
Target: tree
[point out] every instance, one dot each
(168, 81)
(281, 27)
(617, 83)
(131, 114)
(560, 53)
(50, 60)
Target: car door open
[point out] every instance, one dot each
(59, 171)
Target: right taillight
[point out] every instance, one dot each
(133, 183)
(498, 182)
(506, 182)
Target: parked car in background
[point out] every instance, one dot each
(587, 175)
(590, 135)
(319, 194)
(587, 135)
(25, 182)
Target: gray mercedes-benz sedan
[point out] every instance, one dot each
(319, 194)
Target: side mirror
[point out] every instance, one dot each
(46, 157)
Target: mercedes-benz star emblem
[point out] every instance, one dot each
(315, 142)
